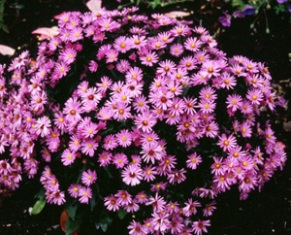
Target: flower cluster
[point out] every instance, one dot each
(139, 114)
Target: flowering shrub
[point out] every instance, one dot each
(123, 114)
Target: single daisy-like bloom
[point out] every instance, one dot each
(200, 226)
(140, 104)
(234, 102)
(151, 152)
(207, 93)
(176, 50)
(88, 146)
(149, 173)
(110, 142)
(68, 157)
(122, 44)
(135, 228)
(120, 160)
(68, 55)
(193, 161)
(43, 126)
(255, 96)
(192, 44)
(111, 203)
(227, 81)
(246, 129)
(124, 138)
(111, 56)
(74, 190)
(122, 66)
(145, 121)
(85, 194)
(190, 207)
(207, 106)
(166, 67)
(134, 74)
(149, 59)
(180, 30)
(227, 142)
(132, 175)
(89, 177)
(104, 158)
(123, 197)
(61, 69)
(188, 63)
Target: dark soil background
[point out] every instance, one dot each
(268, 212)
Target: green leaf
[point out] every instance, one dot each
(72, 209)
(38, 206)
(93, 204)
(104, 227)
(121, 214)
(72, 225)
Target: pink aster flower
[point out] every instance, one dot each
(149, 173)
(74, 190)
(135, 228)
(200, 226)
(111, 203)
(188, 63)
(72, 109)
(246, 129)
(68, 55)
(209, 209)
(132, 175)
(255, 96)
(85, 194)
(193, 161)
(61, 69)
(149, 59)
(166, 67)
(176, 49)
(122, 44)
(43, 126)
(123, 197)
(227, 142)
(162, 100)
(88, 177)
(152, 152)
(104, 158)
(123, 66)
(124, 138)
(110, 142)
(234, 102)
(190, 207)
(120, 160)
(75, 143)
(145, 121)
(227, 81)
(192, 44)
(68, 157)
(206, 106)
(89, 146)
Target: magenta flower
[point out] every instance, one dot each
(132, 175)
(89, 177)
(227, 142)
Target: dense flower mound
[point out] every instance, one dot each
(137, 115)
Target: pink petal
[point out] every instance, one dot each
(94, 5)
(46, 32)
(176, 14)
(6, 50)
